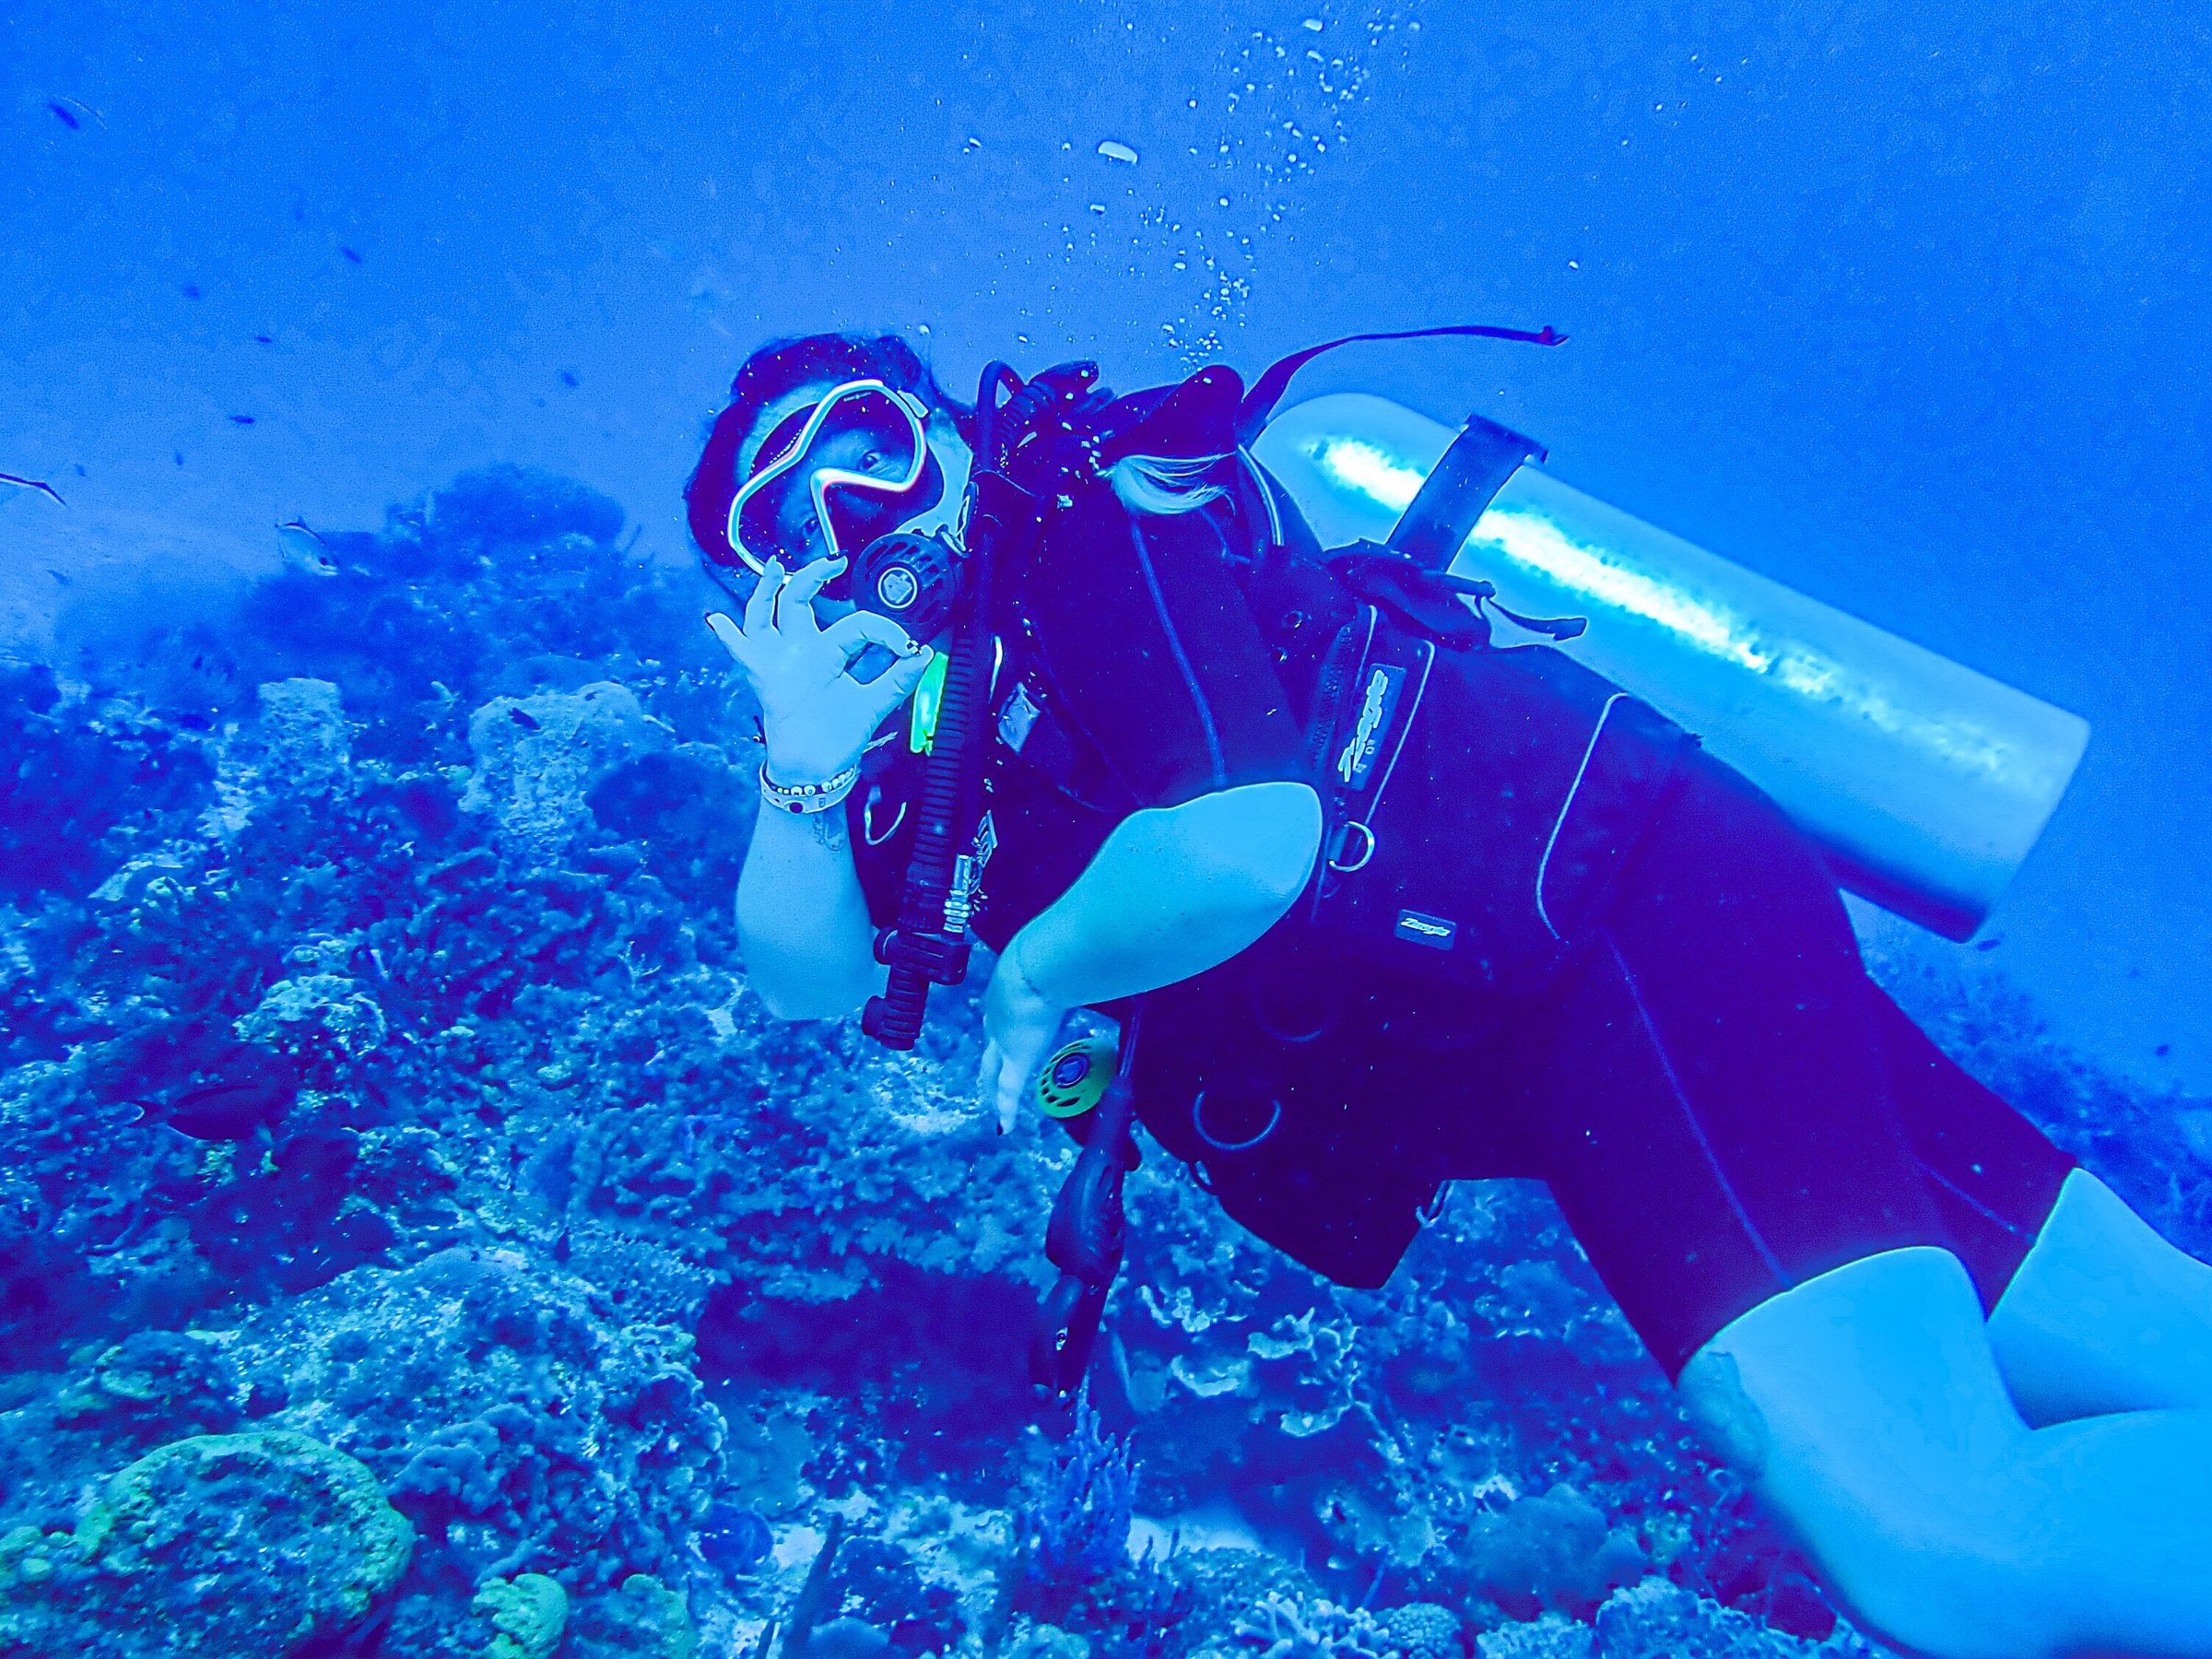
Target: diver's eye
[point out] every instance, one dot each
(874, 461)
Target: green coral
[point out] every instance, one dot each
(216, 1545)
(529, 1612)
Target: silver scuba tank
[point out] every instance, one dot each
(1923, 782)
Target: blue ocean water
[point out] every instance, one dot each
(382, 1087)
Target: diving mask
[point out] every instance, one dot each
(833, 477)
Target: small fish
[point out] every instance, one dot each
(567, 377)
(44, 489)
(349, 254)
(304, 551)
(190, 290)
(241, 420)
(264, 340)
(1990, 943)
(230, 1110)
(528, 722)
(66, 110)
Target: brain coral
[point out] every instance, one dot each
(1424, 1631)
(223, 1544)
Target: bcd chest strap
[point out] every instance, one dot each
(1370, 694)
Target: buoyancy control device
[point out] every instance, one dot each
(1434, 532)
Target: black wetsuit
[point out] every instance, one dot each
(1720, 1098)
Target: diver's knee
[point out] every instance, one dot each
(1865, 1413)
(1910, 1569)
(1723, 1412)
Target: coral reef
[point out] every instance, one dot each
(641, 1619)
(529, 1613)
(260, 1542)
(391, 1148)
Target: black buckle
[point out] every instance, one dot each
(942, 960)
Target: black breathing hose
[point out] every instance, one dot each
(929, 944)
(1088, 1231)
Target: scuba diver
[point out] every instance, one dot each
(1380, 904)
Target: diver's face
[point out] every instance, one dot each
(797, 523)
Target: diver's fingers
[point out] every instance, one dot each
(854, 633)
(794, 609)
(986, 1074)
(1011, 1082)
(732, 637)
(760, 609)
(896, 683)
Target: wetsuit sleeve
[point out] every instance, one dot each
(1154, 657)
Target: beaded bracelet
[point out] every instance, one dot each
(810, 798)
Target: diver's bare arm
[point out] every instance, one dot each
(809, 948)
(800, 919)
(1174, 891)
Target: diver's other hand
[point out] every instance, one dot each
(814, 717)
(1020, 1025)
(1049, 417)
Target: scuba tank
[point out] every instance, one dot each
(1923, 784)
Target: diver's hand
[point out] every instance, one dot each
(815, 718)
(1050, 419)
(1020, 1025)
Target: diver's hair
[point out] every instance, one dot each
(772, 372)
(1165, 486)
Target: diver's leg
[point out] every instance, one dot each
(1865, 1409)
(1709, 1100)
(2091, 1310)
(2103, 1314)
(1993, 1175)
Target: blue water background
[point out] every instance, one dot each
(1903, 305)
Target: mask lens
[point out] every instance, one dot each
(833, 477)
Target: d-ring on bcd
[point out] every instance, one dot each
(1275, 1116)
(1366, 853)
